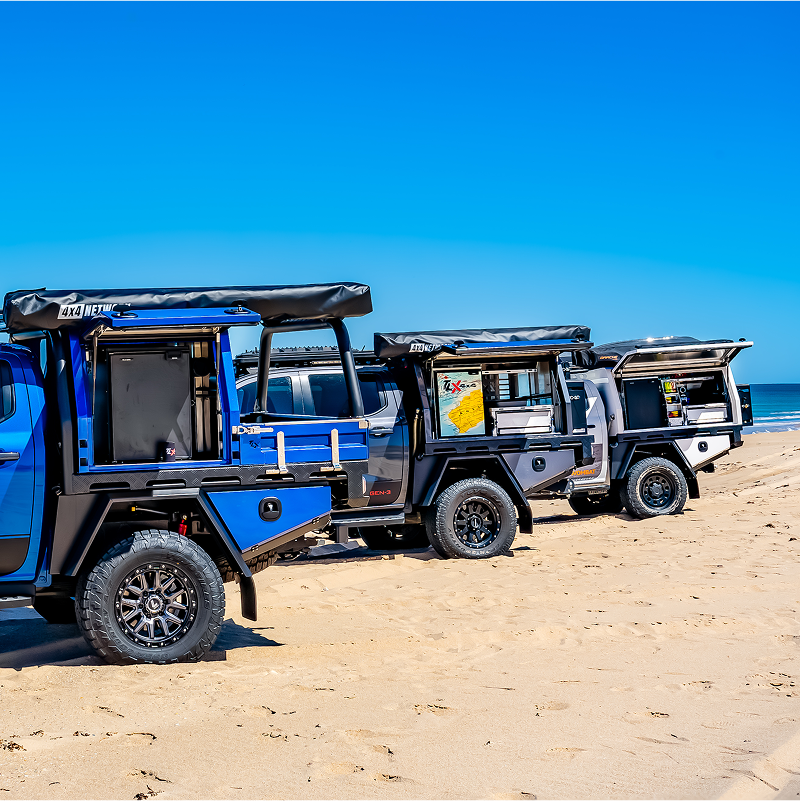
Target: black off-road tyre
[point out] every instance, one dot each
(429, 518)
(56, 609)
(654, 487)
(158, 577)
(610, 503)
(404, 537)
(472, 519)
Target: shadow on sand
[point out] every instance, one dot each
(556, 519)
(26, 640)
(326, 555)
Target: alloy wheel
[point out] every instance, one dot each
(476, 522)
(156, 605)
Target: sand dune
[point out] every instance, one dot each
(607, 658)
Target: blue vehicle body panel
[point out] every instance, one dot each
(229, 401)
(83, 401)
(155, 318)
(22, 481)
(544, 345)
(299, 507)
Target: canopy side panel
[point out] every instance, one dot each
(425, 343)
(42, 309)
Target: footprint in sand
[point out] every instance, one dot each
(551, 706)
(344, 768)
(102, 709)
(389, 777)
(436, 709)
(568, 753)
(145, 774)
(362, 734)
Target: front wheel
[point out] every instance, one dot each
(394, 538)
(472, 519)
(154, 597)
(654, 487)
(609, 503)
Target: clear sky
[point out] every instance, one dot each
(632, 167)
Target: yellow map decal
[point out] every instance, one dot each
(468, 413)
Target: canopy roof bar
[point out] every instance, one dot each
(345, 353)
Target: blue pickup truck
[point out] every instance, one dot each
(131, 486)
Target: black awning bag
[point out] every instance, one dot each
(30, 310)
(427, 343)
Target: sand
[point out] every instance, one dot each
(608, 658)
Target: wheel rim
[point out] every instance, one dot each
(156, 605)
(476, 523)
(658, 490)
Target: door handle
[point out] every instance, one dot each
(9, 456)
(380, 432)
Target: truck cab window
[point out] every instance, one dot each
(6, 391)
(280, 399)
(330, 399)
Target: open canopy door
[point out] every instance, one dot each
(646, 360)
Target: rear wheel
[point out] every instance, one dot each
(154, 597)
(58, 609)
(394, 538)
(472, 519)
(610, 503)
(654, 487)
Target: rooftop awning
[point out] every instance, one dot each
(30, 310)
(424, 344)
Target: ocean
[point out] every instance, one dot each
(776, 407)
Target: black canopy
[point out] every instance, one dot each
(427, 343)
(29, 310)
(609, 354)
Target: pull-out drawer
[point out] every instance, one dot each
(708, 413)
(522, 420)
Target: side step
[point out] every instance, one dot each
(14, 601)
(343, 526)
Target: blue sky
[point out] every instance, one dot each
(632, 167)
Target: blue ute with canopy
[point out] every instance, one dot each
(131, 486)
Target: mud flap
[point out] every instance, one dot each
(247, 587)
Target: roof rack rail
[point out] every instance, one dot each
(309, 356)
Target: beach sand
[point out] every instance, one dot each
(607, 657)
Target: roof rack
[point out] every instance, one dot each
(309, 356)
